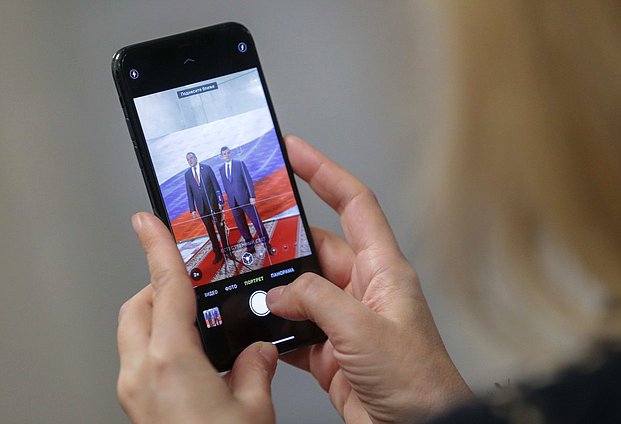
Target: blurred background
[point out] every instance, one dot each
(366, 81)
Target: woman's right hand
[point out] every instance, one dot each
(384, 360)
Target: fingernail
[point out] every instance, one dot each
(136, 222)
(273, 296)
(267, 351)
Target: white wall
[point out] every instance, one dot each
(360, 79)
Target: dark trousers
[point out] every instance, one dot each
(210, 221)
(239, 213)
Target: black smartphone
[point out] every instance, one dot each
(216, 170)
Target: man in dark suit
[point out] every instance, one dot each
(205, 201)
(239, 189)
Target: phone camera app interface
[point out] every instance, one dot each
(222, 176)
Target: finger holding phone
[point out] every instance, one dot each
(165, 376)
(384, 360)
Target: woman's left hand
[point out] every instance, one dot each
(165, 376)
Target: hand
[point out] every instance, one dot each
(195, 215)
(165, 376)
(252, 200)
(384, 360)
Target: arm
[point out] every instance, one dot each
(215, 186)
(248, 181)
(190, 195)
(224, 183)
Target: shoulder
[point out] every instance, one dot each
(588, 392)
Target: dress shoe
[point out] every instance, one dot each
(250, 249)
(231, 257)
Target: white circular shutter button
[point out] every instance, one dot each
(258, 303)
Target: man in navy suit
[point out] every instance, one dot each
(239, 189)
(205, 201)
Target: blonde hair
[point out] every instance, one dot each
(534, 163)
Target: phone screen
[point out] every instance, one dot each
(222, 176)
(213, 159)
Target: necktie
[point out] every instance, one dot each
(228, 171)
(196, 176)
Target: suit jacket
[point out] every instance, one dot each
(240, 187)
(203, 196)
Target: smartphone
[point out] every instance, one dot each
(216, 171)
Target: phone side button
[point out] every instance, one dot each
(131, 131)
(138, 156)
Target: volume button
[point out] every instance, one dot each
(129, 127)
(138, 156)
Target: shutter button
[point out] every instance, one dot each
(258, 303)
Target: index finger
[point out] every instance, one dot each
(174, 306)
(364, 223)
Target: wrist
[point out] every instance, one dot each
(444, 391)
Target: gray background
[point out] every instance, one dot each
(362, 80)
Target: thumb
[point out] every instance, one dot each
(311, 297)
(251, 377)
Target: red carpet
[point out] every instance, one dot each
(208, 269)
(283, 239)
(274, 196)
